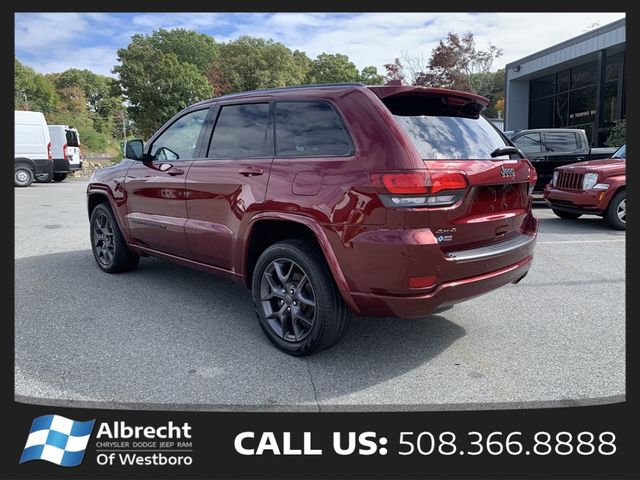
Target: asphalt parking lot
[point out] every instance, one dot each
(167, 337)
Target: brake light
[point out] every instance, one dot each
(64, 151)
(533, 178)
(413, 183)
(49, 156)
(447, 181)
(418, 188)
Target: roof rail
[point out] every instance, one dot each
(293, 87)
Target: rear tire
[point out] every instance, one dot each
(567, 215)
(107, 243)
(23, 177)
(43, 177)
(616, 214)
(59, 177)
(298, 305)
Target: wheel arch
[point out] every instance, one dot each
(267, 229)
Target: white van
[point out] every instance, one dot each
(32, 151)
(65, 148)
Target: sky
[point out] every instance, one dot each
(54, 42)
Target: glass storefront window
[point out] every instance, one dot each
(542, 87)
(561, 110)
(541, 113)
(562, 81)
(584, 75)
(582, 105)
(614, 64)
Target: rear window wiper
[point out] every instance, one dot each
(498, 152)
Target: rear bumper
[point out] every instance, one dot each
(448, 293)
(62, 165)
(43, 166)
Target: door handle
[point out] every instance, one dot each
(251, 171)
(174, 171)
(538, 159)
(580, 159)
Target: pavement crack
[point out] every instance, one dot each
(313, 384)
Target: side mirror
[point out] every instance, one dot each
(135, 149)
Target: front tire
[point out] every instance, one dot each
(616, 214)
(567, 215)
(297, 302)
(23, 177)
(59, 177)
(107, 243)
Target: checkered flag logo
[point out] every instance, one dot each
(57, 440)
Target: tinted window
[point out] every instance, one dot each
(584, 75)
(242, 131)
(561, 142)
(441, 137)
(529, 143)
(542, 87)
(310, 129)
(541, 113)
(180, 139)
(72, 138)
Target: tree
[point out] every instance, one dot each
(156, 81)
(618, 135)
(395, 71)
(33, 91)
(332, 68)
(192, 47)
(370, 76)
(455, 63)
(250, 63)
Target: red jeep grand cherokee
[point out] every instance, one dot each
(597, 187)
(325, 200)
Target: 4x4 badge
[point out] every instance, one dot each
(507, 172)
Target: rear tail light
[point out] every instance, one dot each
(418, 188)
(49, 156)
(533, 178)
(64, 151)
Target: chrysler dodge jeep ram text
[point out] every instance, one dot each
(325, 200)
(597, 187)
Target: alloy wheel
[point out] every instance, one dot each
(621, 211)
(288, 300)
(103, 239)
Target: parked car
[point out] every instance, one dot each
(325, 200)
(65, 149)
(548, 148)
(32, 152)
(597, 187)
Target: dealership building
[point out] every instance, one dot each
(579, 83)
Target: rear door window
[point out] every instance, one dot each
(242, 131)
(72, 138)
(561, 142)
(310, 129)
(529, 143)
(440, 131)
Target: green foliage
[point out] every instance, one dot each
(332, 68)
(188, 46)
(370, 76)
(33, 91)
(250, 63)
(156, 81)
(618, 135)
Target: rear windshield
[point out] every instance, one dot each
(72, 138)
(440, 131)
